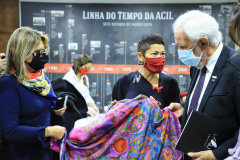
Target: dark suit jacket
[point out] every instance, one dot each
(221, 98)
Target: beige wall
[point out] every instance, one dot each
(9, 21)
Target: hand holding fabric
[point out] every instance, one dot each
(95, 108)
(203, 155)
(92, 112)
(56, 132)
(176, 108)
(113, 102)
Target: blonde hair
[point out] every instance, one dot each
(21, 45)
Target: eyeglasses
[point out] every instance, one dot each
(41, 53)
(36, 52)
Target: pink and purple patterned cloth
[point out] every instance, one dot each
(133, 129)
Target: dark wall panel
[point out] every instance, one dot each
(109, 33)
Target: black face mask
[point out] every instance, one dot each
(38, 61)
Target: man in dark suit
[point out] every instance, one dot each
(215, 73)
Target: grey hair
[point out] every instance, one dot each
(197, 24)
(21, 45)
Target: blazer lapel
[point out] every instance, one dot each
(216, 72)
(211, 85)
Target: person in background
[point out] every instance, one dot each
(235, 37)
(80, 80)
(75, 84)
(214, 89)
(149, 80)
(27, 99)
(3, 61)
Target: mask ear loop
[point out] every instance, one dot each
(202, 51)
(201, 54)
(194, 46)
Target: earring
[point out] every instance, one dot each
(140, 62)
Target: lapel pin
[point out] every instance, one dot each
(213, 78)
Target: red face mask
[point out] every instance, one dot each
(83, 71)
(154, 65)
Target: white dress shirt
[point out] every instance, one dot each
(210, 66)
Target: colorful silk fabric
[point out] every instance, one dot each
(133, 129)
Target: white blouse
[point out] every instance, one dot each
(71, 77)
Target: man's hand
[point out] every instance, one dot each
(2, 61)
(176, 108)
(205, 155)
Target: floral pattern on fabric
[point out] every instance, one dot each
(133, 129)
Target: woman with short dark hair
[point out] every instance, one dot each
(149, 80)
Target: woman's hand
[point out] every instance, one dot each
(92, 112)
(55, 132)
(93, 106)
(60, 112)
